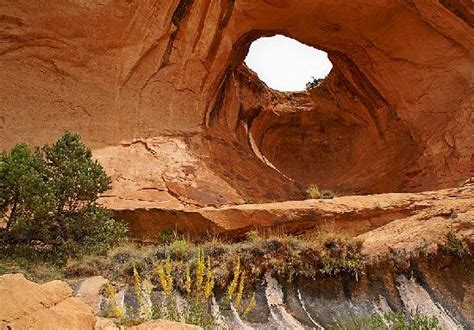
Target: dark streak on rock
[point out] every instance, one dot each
(460, 8)
(239, 51)
(212, 118)
(179, 14)
(437, 298)
(223, 21)
(366, 92)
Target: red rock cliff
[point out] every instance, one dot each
(395, 114)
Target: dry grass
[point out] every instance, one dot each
(309, 256)
(313, 192)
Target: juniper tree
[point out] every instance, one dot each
(48, 199)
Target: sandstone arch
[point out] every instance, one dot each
(396, 113)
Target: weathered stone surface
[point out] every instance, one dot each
(26, 305)
(169, 173)
(395, 114)
(108, 324)
(89, 289)
(164, 325)
(353, 215)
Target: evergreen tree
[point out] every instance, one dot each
(48, 200)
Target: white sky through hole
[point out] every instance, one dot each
(285, 64)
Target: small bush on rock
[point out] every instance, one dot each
(315, 82)
(342, 255)
(48, 200)
(455, 245)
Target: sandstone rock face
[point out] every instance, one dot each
(108, 324)
(395, 114)
(428, 214)
(170, 172)
(26, 305)
(88, 291)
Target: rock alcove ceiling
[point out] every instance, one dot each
(160, 92)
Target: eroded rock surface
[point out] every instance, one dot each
(169, 172)
(108, 324)
(27, 305)
(353, 215)
(395, 114)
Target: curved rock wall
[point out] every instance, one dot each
(396, 113)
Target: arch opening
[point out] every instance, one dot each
(287, 65)
(320, 136)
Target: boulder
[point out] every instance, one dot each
(27, 305)
(88, 291)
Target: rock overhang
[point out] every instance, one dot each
(393, 115)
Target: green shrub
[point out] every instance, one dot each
(389, 321)
(179, 248)
(253, 236)
(455, 245)
(167, 236)
(315, 82)
(341, 255)
(48, 198)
